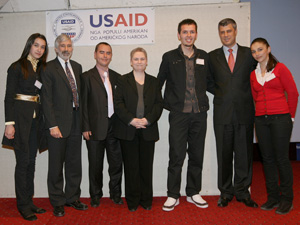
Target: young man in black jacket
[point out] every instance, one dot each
(185, 71)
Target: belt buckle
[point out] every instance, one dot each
(38, 99)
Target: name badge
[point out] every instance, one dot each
(38, 84)
(200, 61)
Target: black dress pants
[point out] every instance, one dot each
(96, 149)
(186, 135)
(273, 134)
(138, 157)
(24, 171)
(65, 153)
(234, 153)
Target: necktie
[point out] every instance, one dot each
(73, 86)
(230, 60)
(109, 94)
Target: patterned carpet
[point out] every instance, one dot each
(184, 213)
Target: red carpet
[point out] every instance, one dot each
(184, 213)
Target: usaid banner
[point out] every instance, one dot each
(116, 26)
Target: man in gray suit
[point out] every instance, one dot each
(61, 106)
(231, 66)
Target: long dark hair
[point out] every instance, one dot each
(272, 59)
(23, 59)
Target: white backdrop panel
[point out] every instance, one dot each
(16, 28)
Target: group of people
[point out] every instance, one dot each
(249, 85)
(118, 115)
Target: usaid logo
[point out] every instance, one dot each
(108, 20)
(68, 21)
(70, 24)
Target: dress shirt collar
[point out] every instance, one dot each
(101, 72)
(234, 51)
(181, 52)
(262, 79)
(63, 62)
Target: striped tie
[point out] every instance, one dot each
(73, 85)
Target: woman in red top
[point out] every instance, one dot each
(275, 95)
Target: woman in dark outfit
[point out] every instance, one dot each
(138, 105)
(22, 115)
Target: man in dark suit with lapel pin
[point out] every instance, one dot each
(98, 87)
(61, 106)
(231, 66)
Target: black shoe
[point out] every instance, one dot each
(223, 201)
(147, 207)
(284, 208)
(78, 205)
(248, 202)
(270, 204)
(117, 200)
(133, 209)
(59, 211)
(28, 215)
(37, 210)
(95, 202)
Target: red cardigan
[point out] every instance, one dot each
(270, 99)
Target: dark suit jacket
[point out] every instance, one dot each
(21, 112)
(94, 102)
(232, 90)
(126, 100)
(57, 98)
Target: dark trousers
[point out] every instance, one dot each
(65, 153)
(234, 144)
(24, 171)
(138, 157)
(114, 158)
(273, 134)
(186, 135)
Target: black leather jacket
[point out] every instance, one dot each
(173, 71)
